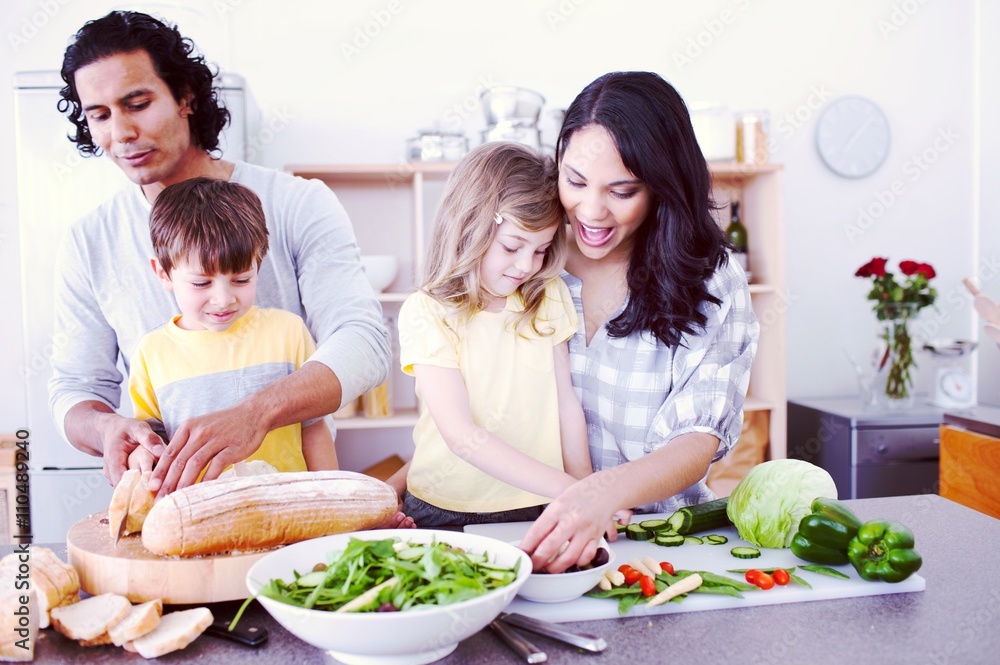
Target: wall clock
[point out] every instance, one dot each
(852, 136)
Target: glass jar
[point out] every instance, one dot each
(752, 128)
(437, 146)
(377, 402)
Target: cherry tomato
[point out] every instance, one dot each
(781, 576)
(631, 574)
(647, 585)
(667, 567)
(752, 575)
(764, 581)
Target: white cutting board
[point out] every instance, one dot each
(712, 558)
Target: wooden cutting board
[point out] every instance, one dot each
(713, 558)
(133, 571)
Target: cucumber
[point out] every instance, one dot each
(636, 532)
(716, 539)
(692, 540)
(745, 552)
(669, 539)
(654, 525)
(702, 517)
(620, 528)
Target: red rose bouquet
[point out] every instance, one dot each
(896, 302)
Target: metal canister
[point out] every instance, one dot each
(751, 137)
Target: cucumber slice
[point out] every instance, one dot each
(745, 552)
(716, 539)
(654, 525)
(636, 532)
(692, 540)
(669, 539)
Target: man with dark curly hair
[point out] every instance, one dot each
(138, 92)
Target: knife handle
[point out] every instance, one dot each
(554, 631)
(251, 637)
(519, 643)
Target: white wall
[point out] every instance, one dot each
(427, 62)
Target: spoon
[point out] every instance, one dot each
(984, 305)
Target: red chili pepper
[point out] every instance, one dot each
(781, 576)
(647, 585)
(667, 567)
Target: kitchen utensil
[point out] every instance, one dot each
(511, 105)
(133, 571)
(984, 305)
(521, 645)
(751, 137)
(554, 631)
(712, 558)
(437, 146)
(419, 636)
(251, 636)
(953, 386)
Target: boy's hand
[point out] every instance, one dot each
(141, 459)
(121, 437)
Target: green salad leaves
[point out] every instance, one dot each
(390, 575)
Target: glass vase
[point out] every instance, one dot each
(894, 360)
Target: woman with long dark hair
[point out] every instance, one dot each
(663, 356)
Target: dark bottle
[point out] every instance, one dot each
(737, 235)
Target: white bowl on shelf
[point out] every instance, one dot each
(380, 269)
(412, 637)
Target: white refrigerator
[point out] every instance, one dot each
(56, 186)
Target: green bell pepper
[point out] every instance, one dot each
(825, 533)
(883, 550)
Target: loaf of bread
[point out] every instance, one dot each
(257, 512)
(118, 510)
(139, 504)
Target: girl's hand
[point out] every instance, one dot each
(623, 516)
(141, 459)
(569, 529)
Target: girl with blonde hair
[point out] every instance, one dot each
(501, 431)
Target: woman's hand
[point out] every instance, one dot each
(570, 528)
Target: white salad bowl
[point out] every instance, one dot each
(410, 637)
(380, 269)
(562, 587)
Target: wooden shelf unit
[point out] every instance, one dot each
(392, 208)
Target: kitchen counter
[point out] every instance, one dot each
(953, 621)
(979, 419)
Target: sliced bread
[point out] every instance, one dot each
(141, 620)
(176, 631)
(120, 499)
(140, 504)
(91, 617)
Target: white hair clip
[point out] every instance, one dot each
(497, 218)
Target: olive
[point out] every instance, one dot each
(600, 558)
(387, 607)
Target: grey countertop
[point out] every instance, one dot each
(980, 419)
(953, 621)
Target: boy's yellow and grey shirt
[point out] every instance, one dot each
(511, 384)
(178, 374)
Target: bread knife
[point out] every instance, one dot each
(251, 636)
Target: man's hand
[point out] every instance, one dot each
(211, 442)
(121, 437)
